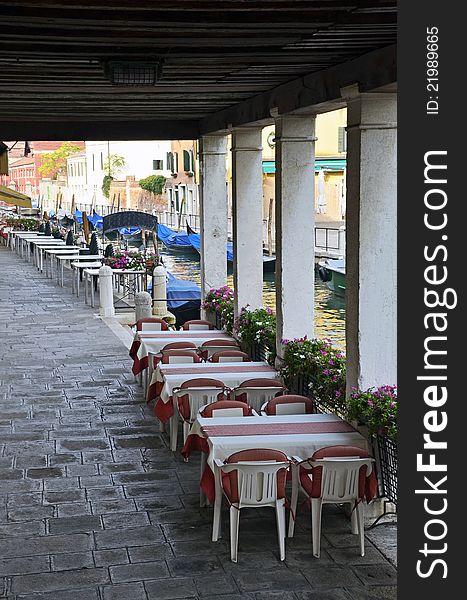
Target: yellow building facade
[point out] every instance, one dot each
(330, 165)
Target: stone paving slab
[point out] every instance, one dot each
(94, 505)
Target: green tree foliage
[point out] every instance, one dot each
(54, 162)
(153, 183)
(113, 164)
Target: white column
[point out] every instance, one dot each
(295, 221)
(371, 249)
(213, 212)
(247, 214)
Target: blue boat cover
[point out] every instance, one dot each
(96, 220)
(179, 291)
(195, 241)
(129, 231)
(78, 216)
(172, 239)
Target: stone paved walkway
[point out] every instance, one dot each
(94, 506)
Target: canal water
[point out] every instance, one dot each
(329, 308)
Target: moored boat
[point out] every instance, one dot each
(332, 273)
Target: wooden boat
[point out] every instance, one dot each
(332, 273)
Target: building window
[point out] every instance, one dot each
(102, 162)
(157, 165)
(175, 162)
(93, 163)
(342, 140)
(170, 162)
(188, 161)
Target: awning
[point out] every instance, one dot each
(11, 197)
(326, 164)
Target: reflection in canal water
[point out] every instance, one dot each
(329, 308)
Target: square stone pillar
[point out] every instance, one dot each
(371, 247)
(213, 212)
(295, 222)
(247, 214)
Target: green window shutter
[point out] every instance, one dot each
(170, 162)
(186, 161)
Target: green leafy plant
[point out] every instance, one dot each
(113, 164)
(24, 224)
(221, 301)
(320, 363)
(106, 183)
(153, 183)
(376, 408)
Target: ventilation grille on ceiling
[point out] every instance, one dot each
(133, 73)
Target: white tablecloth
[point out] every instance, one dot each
(152, 343)
(297, 444)
(228, 376)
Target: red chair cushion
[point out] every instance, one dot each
(187, 324)
(139, 323)
(242, 356)
(271, 406)
(208, 410)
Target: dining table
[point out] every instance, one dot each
(295, 435)
(231, 374)
(53, 252)
(38, 247)
(148, 344)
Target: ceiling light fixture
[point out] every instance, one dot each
(133, 73)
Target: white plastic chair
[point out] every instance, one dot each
(186, 356)
(189, 398)
(210, 347)
(255, 486)
(332, 480)
(257, 392)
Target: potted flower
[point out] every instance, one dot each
(376, 408)
(256, 330)
(219, 306)
(315, 367)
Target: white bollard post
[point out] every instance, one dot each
(342, 241)
(143, 306)
(159, 286)
(106, 296)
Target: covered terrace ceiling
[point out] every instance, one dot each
(224, 62)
